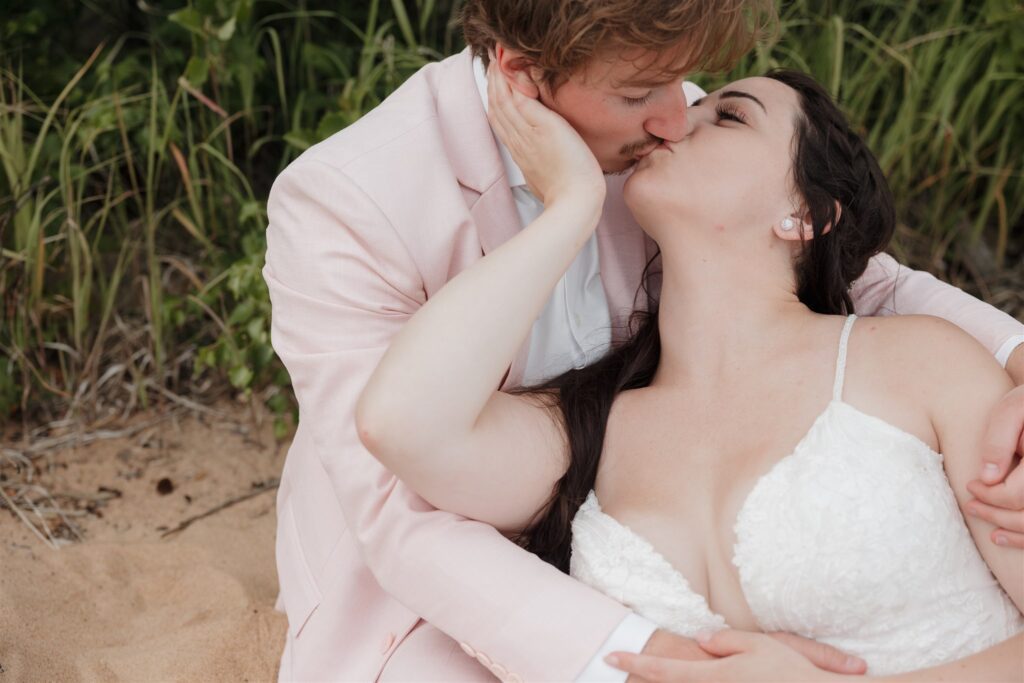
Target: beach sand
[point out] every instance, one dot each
(126, 604)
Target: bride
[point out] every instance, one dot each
(755, 457)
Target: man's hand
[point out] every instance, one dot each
(999, 494)
(666, 652)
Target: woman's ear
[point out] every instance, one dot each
(519, 71)
(792, 228)
(799, 225)
(810, 229)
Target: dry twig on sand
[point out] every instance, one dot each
(268, 485)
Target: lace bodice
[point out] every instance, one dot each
(855, 539)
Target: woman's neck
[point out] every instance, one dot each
(717, 318)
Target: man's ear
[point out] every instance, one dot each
(519, 71)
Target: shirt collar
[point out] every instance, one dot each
(512, 171)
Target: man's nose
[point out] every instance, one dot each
(669, 120)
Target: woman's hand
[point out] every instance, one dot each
(554, 158)
(742, 656)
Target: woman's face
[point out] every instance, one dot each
(731, 172)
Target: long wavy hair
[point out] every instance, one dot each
(832, 167)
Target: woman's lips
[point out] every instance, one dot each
(653, 148)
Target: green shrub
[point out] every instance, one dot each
(137, 149)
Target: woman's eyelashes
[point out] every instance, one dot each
(727, 112)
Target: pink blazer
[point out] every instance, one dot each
(364, 227)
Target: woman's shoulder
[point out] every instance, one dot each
(923, 337)
(930, 358)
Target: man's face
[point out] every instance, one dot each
(623, 106)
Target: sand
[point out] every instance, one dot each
(126, 604)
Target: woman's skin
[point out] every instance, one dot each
(745, 366)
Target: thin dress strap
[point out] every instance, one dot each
(844, 343)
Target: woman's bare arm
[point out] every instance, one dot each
(431, 411)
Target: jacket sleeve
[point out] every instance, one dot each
(888, 288)
(341, 284)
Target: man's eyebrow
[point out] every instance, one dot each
(740, 93)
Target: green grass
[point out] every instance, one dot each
(137, 154)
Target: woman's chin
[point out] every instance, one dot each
(636, 193)
(642, 180)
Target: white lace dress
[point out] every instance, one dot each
(855, 540)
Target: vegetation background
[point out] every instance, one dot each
(139, 140)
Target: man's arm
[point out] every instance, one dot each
(342, 284)
(887, 288)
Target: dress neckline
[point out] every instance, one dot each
(837, 403)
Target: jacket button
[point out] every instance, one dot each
(388, 642)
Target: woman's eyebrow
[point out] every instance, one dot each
(740, 93)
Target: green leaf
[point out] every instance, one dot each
(227, 30)
(242, 312)
(197, 70)
(297, 140)
(330, 124)
(250, 209)
(188, 18)
(240, 377)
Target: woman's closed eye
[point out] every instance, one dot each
(727, 112)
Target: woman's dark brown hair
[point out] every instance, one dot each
(832, 166)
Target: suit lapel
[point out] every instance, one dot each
(473, 153)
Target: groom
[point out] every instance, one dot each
(367, 225)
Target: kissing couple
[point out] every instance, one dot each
(583, 391)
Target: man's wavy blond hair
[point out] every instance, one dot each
(561, 37)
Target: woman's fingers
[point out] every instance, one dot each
(555, 160)
(502, 112)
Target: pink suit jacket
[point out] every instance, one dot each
(364, 227)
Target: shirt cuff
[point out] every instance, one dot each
(1003, 354)
(631, 635)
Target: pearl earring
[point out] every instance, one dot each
(787, 224)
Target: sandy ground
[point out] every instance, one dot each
(126, 604)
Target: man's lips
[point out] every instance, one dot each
(660, 145)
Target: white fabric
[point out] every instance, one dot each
(631, 635)
(855, 540)
(1003, 354)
